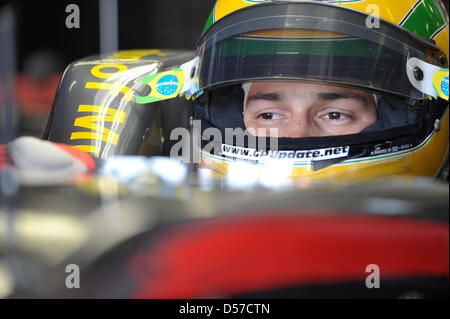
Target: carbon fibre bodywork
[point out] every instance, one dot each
(95, 110)
(304, 243)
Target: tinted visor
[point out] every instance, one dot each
(307, 42)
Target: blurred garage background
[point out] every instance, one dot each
(45, 46)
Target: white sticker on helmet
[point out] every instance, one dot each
(299, 155)
(421, 75)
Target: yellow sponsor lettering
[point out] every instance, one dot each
(97, 70)
(95, 124)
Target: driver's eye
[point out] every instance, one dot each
(334, 116)
(268, 116)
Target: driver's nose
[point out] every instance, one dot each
(299, 126)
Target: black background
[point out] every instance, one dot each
(142, 24)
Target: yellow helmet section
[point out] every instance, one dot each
(224, 8)
(442, 41)
(392, 11)
(423, 17)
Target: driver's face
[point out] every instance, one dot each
(304, 110)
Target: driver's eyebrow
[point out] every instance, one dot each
(272, 96)
(323, 96)
(338, 95)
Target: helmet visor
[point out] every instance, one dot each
(311, 45)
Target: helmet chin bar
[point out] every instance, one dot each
(429, 79)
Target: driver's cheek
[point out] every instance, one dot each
(274, 130)
(327, 127)
(258, 128)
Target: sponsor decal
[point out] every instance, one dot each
(444, 86)
(392, 149)
(90, 123)
(163, 86)
(172, 83)
(167, 85)
(440, 83)
(299, 156)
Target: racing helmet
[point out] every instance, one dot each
(396, 51)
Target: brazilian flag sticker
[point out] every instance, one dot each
(165, 85)
(440, 83)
